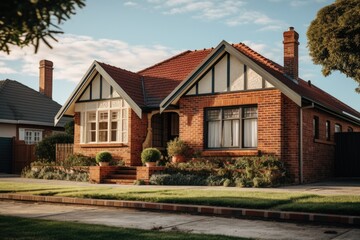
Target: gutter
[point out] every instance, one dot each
(301, 145)
(27, 122)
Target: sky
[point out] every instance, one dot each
(136, 34)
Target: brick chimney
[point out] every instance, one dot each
(46, 77)
(291, 53)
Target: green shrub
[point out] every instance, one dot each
(177, 147)
(78, 160)
(46, 149)
(227, 183)
(103, 157)
(49, 172)
(150, 155)
(177, 179)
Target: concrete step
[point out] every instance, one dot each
(119, 181)
(123, 176)
(125, 172)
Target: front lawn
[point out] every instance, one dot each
(232, 197)
(23, 228)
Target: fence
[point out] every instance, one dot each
(63, 150)
(23, 155)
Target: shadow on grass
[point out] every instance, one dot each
(21, 228)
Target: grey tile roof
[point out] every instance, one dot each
(21, 103)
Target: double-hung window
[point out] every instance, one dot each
(105, 125)
(231, 127)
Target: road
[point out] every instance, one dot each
(130, 218)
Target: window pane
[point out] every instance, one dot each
(103, 116)
(214, 134)
(124, 125)
(113, 135)
(103, 126)
(250, 133)
(124, 137)
(231, 113)
(92, 116)
(250, 112)
(103, 136)
(114, 116)
(231, 133)
(92, 126)
(92, 136)
(214, 114)
(114, 125)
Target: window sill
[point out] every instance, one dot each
(324, 142)
(102, 145)
(229, 152)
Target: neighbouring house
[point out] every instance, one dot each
(26, 114)
(226, 101)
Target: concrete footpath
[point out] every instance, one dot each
(163, 221)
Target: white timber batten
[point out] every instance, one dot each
(265, 74)
(120, 91)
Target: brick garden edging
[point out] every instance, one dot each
(193, 209)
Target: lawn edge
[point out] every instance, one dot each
(193, 209)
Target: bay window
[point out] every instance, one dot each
(231, 127)
(107, 123)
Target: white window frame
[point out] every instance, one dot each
(30, 135)
(122, 110)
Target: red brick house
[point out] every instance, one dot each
(224, 101)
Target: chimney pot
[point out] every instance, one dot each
(291, 53)
(46, 77)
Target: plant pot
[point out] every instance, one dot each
(178, 159)
(103, 164)
(150, 164)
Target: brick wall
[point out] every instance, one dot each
(290, 115)
(129, 153)
(318, 155)
(269, 120)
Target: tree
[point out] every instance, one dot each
(26, 22)
(334, 39)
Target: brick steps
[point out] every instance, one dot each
(122, 175)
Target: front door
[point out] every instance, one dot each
(165, 127)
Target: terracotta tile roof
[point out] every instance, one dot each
(162, 78)
(130, 82)
(303, 88)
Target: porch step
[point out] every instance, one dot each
(122, 175)
(119, 181)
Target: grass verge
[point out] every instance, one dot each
(24, 228)
(234, 197)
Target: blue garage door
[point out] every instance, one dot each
(5, 155)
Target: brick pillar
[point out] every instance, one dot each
(46, 77)
(291, 53)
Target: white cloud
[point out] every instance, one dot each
(5, 69)
(73, 54)
(130, 3)
(230, 12)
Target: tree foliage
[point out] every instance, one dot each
(26, 22)
(334, 39)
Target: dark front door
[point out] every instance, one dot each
(165, 127)
(347, 154)
(5, 155)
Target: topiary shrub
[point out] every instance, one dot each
(46, 149)
(103, 157)
(150, 155)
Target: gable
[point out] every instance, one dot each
(228, 74)
(226, 69)
(98, 89)
(102, 82)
